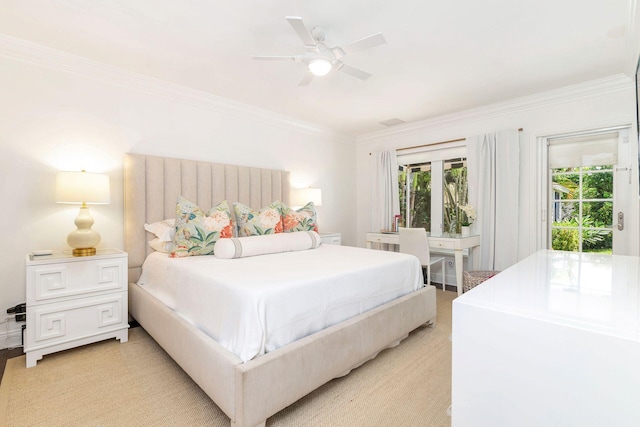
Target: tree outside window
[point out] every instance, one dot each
(455, 194)
(415, 183)
(582, 209)
(418, 179)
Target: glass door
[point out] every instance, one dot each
(589, 192)
(582, 209)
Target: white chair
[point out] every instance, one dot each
(414, 241)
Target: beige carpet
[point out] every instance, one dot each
(137, 384)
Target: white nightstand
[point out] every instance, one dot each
(73, 301)
(331, 238)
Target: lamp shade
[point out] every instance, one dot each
(320, 66)
(82, 187)
(302, 196)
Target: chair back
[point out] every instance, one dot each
(414, 241)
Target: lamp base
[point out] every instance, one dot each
(84, 251)
(83, 240)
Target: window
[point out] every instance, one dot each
(415, 195)
(581, 194)
(432, 184)
(455, 193)
(582, 209)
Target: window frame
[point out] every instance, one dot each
(436, 155)
(624, 241)
(580, 171)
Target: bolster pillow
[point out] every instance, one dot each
(240, 247)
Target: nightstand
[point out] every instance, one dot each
(73, 301)
(331, 238)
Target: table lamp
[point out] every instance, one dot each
(83, 188)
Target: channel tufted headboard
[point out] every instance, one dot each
(152, 185)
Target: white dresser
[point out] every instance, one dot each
(551, 341)
(73, 301)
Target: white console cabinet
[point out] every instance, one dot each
(73, 301)
(553, 340)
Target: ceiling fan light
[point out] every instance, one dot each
(319, 66)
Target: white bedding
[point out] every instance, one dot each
(258, 304)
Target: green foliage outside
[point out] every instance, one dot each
(594, 239)
(564, 240)
(597, 214)
(455, 195)
(420, 203)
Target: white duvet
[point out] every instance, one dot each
(257, 304)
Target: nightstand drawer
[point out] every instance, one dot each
(442, 245)
(75, 319)
(51, 281)
(388, 239)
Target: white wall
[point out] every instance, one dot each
(591, 105)
(59, 112)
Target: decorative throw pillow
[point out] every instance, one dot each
(303, 219)
(164, 230)
(159, 246)
(267, 220)
(240, 247)
(197, 231)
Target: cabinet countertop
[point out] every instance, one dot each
(67, 256)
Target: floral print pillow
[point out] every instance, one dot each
(197, 231)
(267, 220)
(303, 219)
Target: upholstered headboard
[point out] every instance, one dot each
(152, 185)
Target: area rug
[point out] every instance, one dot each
(138, 384)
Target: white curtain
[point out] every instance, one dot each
(385, 198)
(493, 168)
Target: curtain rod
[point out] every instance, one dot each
(431, 145)
(437, 143)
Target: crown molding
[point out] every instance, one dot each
(603, 86)
(32, 53)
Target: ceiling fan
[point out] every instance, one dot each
(320, 58)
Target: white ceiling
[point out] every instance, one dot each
(440, 57)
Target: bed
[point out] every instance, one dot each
(248, 391)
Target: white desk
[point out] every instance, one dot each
(553, 340)
(455, 242)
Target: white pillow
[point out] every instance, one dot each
(240, 247)
(164, 230)
(164, 247)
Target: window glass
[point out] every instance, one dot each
(431, 180)
(415, 183)
(582, 209)
(455, 194)
(415, 195)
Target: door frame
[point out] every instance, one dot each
(627, 203)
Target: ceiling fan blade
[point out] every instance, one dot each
(365, 43)
(277, 58)
(359, 74)
(302, 31)
(306, 79)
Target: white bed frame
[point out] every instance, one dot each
(250, 392)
